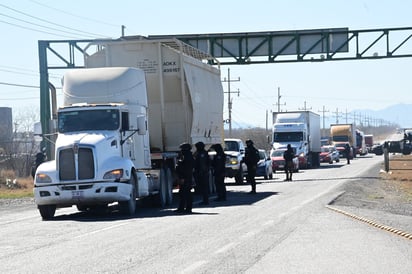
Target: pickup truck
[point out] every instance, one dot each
(235, 152)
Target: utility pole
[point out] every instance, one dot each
(229, 100)
(278, 102)
(323, 118)
(304, 107)
(337, 115)
(346, 116)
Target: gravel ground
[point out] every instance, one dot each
(378, 200)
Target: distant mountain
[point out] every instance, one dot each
(400, 114)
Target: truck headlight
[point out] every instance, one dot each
(115, 174)
(42, 178)
(233, 161)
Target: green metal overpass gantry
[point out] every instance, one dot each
(317, 45)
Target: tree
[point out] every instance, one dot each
(19, 154)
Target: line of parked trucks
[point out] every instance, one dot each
(125, 114)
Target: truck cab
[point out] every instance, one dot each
(101, 148)
(294, 134)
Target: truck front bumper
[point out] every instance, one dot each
(87, 193)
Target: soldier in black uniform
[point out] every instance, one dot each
(251, 160)
(184, 169)
(288, 155)
(218, 165)
(347, 153)
(40, 158)
(202, 167)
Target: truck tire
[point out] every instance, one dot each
(47, 211)
(161, 199)
(169, 196)
(129, 207)
(239, 176)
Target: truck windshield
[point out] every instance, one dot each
(287, 137)
(340, 138)
(85, 120)
(231, 146)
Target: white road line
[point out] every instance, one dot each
(225, 248)
(191, 268)
(100, 230)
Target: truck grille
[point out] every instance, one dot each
(67, 164)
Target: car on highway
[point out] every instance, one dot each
(278, 163)
(264, 166)
(377, 149)
(329, 154)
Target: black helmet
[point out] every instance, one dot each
(200, 145)
(185, 146)
(249, 142)
(217, 147)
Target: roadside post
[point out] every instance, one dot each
(386, 156)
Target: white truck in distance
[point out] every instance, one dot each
(300, 129)
(119, 128)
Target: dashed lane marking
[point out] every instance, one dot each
(373, 223)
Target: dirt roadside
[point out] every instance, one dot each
(382, 197)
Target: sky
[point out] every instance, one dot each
(338, 87)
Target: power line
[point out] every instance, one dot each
(21, 85)
(27, 28)
(18, 85)
(39, 25)
(12, 69)
(75, 15)
(52, 23)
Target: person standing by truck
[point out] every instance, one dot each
(184, 169)
(218, 165)
(202, 167)
(347, 153)
(288, 155)
(251, 160)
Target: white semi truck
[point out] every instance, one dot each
(300, 129)
(121, 123)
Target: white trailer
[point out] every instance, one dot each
(120, 126)
(300, 129)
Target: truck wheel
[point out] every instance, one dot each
(162, 196)
(47, 211)
(169, 196)
(129, 207)
(239, 176)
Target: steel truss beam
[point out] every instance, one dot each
(239, 49)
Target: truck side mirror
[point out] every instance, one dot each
(141, 125)
(38, 133)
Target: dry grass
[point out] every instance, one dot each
(12, 187)
(399, 176)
